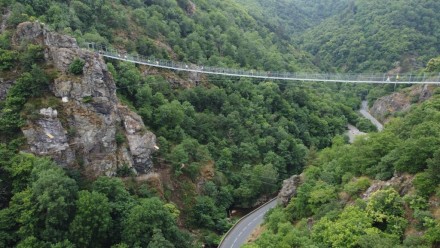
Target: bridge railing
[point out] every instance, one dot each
(407, 78)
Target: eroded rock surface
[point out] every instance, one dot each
(288, 190)
(83, 130)
(401, 183)
(401, 101)
(46, 136)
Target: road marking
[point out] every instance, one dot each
(247, 226)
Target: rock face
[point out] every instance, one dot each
(141, 142)
(401, 183)
(4, 87)
(47, 137)
(288, 190)
(385, 106)
(82, 131)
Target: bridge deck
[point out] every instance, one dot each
(382, 78)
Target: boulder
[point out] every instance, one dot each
(289, 189)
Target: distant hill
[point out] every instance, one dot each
(292, 17)
(376, 35)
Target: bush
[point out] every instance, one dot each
(365, 125)
(76, 67)
(31, 55)
(7, 59)
(120, 138)
(356, 186)
(124, 171)
(424, 184)
(87, 99)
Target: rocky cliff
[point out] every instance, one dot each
(289, 189)
(385, 107)
(90, 128)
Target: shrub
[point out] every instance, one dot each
(357, 186)
(120, 138)
(7, 59)
(424, 184)
(76, 67)
(124, 171)
(31, 55)
(87, 99)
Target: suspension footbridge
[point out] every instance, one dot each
(374, 78)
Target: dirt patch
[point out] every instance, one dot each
(207, 172)
(256, 234)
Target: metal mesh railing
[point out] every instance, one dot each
(408, 78)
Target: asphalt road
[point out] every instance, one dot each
(241, 231)
(366, 114)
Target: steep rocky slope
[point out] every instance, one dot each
(89, 128)
(387, 106)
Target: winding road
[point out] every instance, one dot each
(238, 235)
(353, 131)
(366, 114)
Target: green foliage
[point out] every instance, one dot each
(424, 184)
(92, 220)
(143, 221)
(30, 84)
(87, 99)
(124, 171)
(120, 138)
(76, 67)
(343, 232)
(386, 209)
(433, 65)
(206, 214)
(32, 54)
(365, 125)
(120, 202)
(7, 59)
(349, 41)
(357, 186)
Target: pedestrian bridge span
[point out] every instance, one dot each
(373, 78)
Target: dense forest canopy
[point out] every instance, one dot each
(251, 133)
(376, 36)
(289, 18)
(334, 195)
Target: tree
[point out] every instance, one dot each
(7, 59)
(76, 67)
(149, 215)
(120, 203)
(159, 241)
(385, 207)
(92, 221)
(53, 196)
(345, 231)
(433, 65)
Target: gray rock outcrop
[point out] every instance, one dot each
(4, 87)
(401, 183)
(83, 130)
(46, 136)
(289, 189)
(401, 101)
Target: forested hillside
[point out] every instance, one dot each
(224, 143)
(376, 36)
(220, 143)
(289, 18)
(342, 202)
(219, 33)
